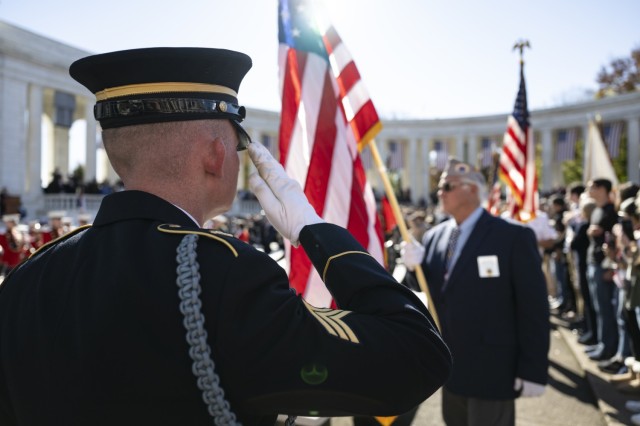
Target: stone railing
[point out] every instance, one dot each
(73, 203)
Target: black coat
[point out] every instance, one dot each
(91, 332)
(496, 327)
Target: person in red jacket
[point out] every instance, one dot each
(12, 242)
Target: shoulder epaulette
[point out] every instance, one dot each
(208, 233)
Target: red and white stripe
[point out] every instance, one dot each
(326, 113)
(518, 169)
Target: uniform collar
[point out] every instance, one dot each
(132, 204)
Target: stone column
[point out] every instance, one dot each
(633, 149)
(473, 150)
(547, 156)
(460, 153)
(61, 150)
(33, 184)
(13, 159)
(414, 182)
(425, 167)
(585, 143)
(91, 148)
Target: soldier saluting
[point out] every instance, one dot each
(94, 330)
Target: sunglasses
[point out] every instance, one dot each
(448, 186)
(243, 137)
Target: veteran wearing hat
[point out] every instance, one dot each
(147, 318)
(486, 281)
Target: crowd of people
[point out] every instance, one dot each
(20, 239)
(588, 237)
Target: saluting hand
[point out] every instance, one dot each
(281, 197)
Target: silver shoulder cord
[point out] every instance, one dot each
(203, 367)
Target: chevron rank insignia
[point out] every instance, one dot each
(331, 320)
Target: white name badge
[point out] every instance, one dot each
(488, 266)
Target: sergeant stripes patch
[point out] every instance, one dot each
(331, 320)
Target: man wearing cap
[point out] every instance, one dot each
(200, 325)
(484, 275)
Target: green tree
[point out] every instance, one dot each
(572, 169)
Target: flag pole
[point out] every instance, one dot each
(391, 196)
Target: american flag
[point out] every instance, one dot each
(566, 145)
(327, 115)
(395, 159)
(486, 152)
(612, 133)
(517, 160)
(441, 155)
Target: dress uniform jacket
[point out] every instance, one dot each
(496, 327)
(91, 332)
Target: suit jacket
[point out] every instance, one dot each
(91, 332)
(497, 327)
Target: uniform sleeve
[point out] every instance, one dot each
(532, 308)
(377, 354)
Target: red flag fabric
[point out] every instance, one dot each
(388, 216)
(327, 116)
(517, 160)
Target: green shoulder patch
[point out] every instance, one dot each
(208, 233)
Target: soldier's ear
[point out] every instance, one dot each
(214, 156)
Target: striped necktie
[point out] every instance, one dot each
(451, 248)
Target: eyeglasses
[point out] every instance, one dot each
(243, 137)
(449, 186)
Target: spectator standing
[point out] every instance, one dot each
(599, 269)
(488, 289)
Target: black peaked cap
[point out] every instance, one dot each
(163, 84)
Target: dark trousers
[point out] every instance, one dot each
(463, 411)
(633, 330)
(603, 294)
(588, 312)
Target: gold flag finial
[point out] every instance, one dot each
(521, 45)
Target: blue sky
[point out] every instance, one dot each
(418, 58)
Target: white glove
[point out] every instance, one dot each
(281, 197)
(411, 254)
(528, 389)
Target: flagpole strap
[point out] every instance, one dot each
(391, 196)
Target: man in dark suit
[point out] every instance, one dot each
(485, 277)
(146, 318)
